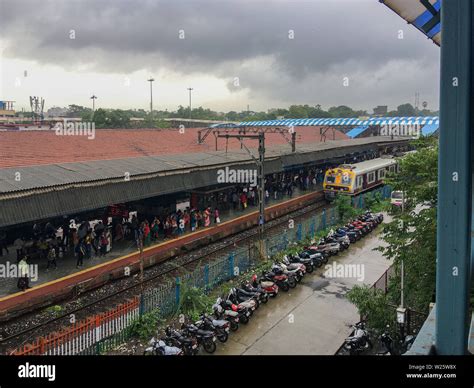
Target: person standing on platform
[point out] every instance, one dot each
(80, 250)
(19, 244)
(207, 217)
(193, 221)
(23, 274)
(146, 233)
(51, 259)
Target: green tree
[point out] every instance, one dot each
(344, 207)
(342, 111)
(297, 112)
(100, 118)
(411, 235)
(406, 110)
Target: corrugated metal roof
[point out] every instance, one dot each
(71, 188)
(35, 177)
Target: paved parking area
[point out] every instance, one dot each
(315, 317)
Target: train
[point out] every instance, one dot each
(356, 178)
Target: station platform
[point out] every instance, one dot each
(66, 281)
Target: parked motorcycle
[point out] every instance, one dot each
(343, 241)
(220, 327)
(318, 257)
(387, 345)
(258, 289)
(351, 234)
(359, 340)
(205, 338)
(292, 269)
(306, 261)
(189, 344)
(227, 314)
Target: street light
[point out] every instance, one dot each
(190, 110)
(93, 98)
(151, 96)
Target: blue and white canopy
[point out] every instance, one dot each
(422, 120)
(423, 14)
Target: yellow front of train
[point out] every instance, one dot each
(338, 180)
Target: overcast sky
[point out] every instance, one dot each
(234, 53)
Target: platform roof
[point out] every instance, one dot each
(69, 188)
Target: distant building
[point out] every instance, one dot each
(7, 113)
(380, 110)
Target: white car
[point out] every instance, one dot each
(396, 198)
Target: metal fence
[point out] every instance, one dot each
(95, 338)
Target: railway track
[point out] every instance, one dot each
(25, 328)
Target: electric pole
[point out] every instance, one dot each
(190, 110)
(151, 96)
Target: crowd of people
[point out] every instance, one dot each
(88, 239)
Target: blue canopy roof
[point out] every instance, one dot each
(429, 129)
(422, 120)
(354, 132)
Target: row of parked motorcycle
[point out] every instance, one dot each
(238, 306)
(359, 342)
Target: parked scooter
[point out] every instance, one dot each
(292, 276)
(342, 240)
(351, 234)
(244, 313)
(270, 287)
(241, 298)
(227, 314)
(330, 249)
(299, 269)
(280, 279)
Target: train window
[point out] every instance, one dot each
(360, 181)
(371, 177)
(391, 169)
(330, 179)
(381, 173)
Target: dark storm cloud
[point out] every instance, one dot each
(352, 36)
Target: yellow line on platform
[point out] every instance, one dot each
(145, 250)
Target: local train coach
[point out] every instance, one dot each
(353, 179)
